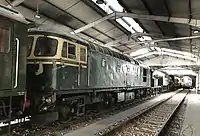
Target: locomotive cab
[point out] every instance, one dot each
(48, 54)
(54, 64)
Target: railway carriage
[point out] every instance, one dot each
(186, 82)
(13, 43)
(67, 75)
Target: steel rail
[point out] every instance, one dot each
(171, 115)
(163, 125)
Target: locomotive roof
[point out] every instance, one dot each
(11, 13)
(91, 46)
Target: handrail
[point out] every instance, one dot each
(17, 64)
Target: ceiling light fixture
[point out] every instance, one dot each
(37, 12)
(196, 31)
(100, 1)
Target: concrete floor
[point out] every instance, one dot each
(191, 124)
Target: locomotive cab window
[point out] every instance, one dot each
(83, 54)
(30, 44)
(71, 51)
(5, 32)
(144, 75)
(46, 46)
(64, 49)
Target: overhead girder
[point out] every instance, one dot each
(146, 5)
(180, 20)
(169, 61)
(45, 21)
(171, 39)
(183, 46)
(164, 53)
(126, 39)
(151, 42)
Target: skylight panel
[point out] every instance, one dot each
(165, 53)
(141, 39)
(125, 25)
(139, 52)
(178, 71)
(115, 5)
(162, 51)
(134, 24)
(111, 5)
(147, 38)
(158, 73)
(179, 52)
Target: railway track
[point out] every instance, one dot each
(60, 128)
(152, 122)
(175, 125)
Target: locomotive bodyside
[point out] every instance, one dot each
(109, 71)
(66, 75)
(13, 41)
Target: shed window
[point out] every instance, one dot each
(71, 51)
(82, 54)
(64, 50)
(5, 32)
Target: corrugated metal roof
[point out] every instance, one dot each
(181, 8)
(78, 13)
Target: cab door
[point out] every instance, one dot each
(82, 70)
(19, 56)
(6, 57)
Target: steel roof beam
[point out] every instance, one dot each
(134, 48)
(171, 39)
(192, 22)
(168, 11)
(146, 5)
(187, 21)
(164, 40)
(151, 45)
(93, 23)
(125, 39)
(29, 13)
(190, 16)
(166, 54)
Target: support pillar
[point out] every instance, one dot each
(198, 82)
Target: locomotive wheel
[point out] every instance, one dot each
(108, 101)
(44, 118)
(64, 112)
(99, 106)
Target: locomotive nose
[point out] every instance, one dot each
(39, 77)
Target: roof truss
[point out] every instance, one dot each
(187, 21)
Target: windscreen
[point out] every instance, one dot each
(46, 46)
